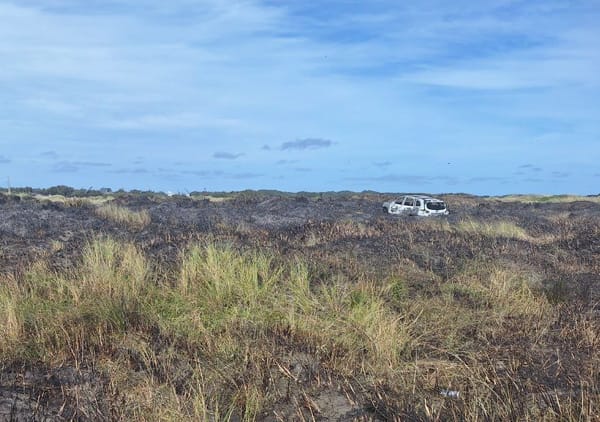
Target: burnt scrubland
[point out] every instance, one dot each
(275, 307)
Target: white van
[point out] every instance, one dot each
(421, 205)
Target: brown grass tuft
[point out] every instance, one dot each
(134, 219)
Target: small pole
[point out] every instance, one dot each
(8, 184)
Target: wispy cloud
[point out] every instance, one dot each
(220, 174)
(529, 168)
(4, 160)
(417, 180)
(244, 175)
(132, 170)
(227, 155)
(64, 167)
(74, 166)
(53, 155)
(307, 143)
(91, 164)
(394, 178)
(171, 121)
(487, 179)
(204, 173)
(52, 106)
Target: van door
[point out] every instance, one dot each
(418, 207)
(408, 205)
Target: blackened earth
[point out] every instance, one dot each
(350, 235)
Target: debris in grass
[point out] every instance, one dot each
(453, 394)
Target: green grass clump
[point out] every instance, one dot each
(220, 336)
(49, 313)
(224, 307)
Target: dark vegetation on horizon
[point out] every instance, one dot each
(71, 192)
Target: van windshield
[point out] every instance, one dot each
(436, 206)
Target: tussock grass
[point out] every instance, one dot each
(502, 292)
(122, 215)
(60, 316)
(252, 288)
(324, 232)
(211, 198)
(546, 198)
(111, 269)
(564, 228)
(505, 229)
(492, 229)
(72, 201)
(223, 337)
(11, 329)
(224, 304)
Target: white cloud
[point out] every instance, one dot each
(173, 121)
(53, 106)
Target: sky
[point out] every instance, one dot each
(486, 97)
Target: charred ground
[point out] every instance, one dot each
(351, 231)
(557, 244)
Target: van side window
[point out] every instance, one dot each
(409, 202)
(418, 202)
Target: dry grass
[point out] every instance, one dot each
(74, 201)
(491, 229)
(122, 215)
(11, 329)
(212, 198)
(112, 270)
(224, 336)
(505, 229)
(323, 232)
(546, 198)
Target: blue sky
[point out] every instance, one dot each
(486, 97)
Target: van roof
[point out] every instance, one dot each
(425, 197)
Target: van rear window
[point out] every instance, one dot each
(436, 206)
